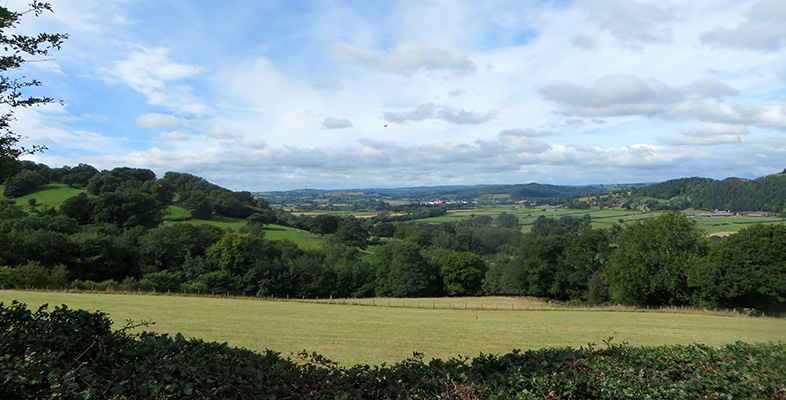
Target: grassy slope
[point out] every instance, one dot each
(303, 239)
(353, 334)
(52, 195)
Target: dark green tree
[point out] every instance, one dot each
(168, 246)
(651, 265)
(324, 224)
(351, 233)
(23, 183)
(506, 220)
(128, 209)
(747, 269)
(403, 272)
(78, 207)
(462, 272)
(79, 176)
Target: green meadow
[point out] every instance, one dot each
(376, 333)
(52, 195)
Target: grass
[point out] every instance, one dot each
(52, 195)
(304, 239)
(175, 213)
(353, 334)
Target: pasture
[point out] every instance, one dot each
(351, 334)
(602, 219)
(52, 195)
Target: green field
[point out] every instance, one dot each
(602, 219)
(176, 213)
(374, 334)
(52, 195)
(304, 239)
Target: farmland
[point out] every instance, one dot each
(601, 218)
(351, 334)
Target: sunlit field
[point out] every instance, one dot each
(376, 333)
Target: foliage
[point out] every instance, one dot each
(763, 194)
(748, 269)
(23, 183)
(69, 353)
(651, 265)
(128, 209)
(560, 226)
(462, 272)
(403, 272)
(119, 180)
(16, 48)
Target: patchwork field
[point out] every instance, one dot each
(351, 334)
(603, 219)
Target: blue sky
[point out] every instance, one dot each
(277, 95)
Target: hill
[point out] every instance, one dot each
(767, 193)
(479, 193)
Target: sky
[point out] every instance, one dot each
(266, 95)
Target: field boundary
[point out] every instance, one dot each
(453, 303)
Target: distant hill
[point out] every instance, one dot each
(767, 193)
(529, 191)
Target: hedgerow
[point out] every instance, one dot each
(76, 354)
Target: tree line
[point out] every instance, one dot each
(112, 237)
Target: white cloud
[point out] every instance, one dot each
(150, 72)
(179, 135)
(764, 29)
(708, 134)
(158, 121)
(404, 58)
(713, 89)
(633, 24)
(525, 132)
(473, 92)
(429, 111)
(614, 95)
(336, 123)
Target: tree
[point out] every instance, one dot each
(403, 272)
(23, 183)
(651, 265)
(79, 208)
(263, 217)
(559, 226)
(506, 220)
(236, 253)
(462, 272)
(324, 224)
(350, 233)
(15, 50)
(79, 176)
(168, 246)
(128, 209)
(747, 269)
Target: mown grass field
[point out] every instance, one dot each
(352, 334)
